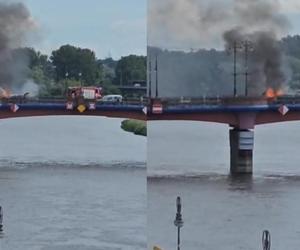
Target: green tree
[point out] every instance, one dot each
(76, 63)
(131, 68)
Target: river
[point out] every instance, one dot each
(72, 183)
(191, 159)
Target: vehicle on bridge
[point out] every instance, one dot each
(87, 93)
(7, 97)
(112, 99)
(80, 95)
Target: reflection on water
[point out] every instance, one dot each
(219, 211)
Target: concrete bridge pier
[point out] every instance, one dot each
(241, 151)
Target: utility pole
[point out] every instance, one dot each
(235, 48)
(156, 70)
(150, 77)
(234, 69)
(248, 47)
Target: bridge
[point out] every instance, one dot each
(32, 108)
(242, 114)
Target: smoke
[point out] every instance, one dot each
(184, 24)
(16, 24)
(28, 87)
(260, 25)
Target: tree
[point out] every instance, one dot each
(131, 68)
(80, 64)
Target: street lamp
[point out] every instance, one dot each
(1, 219)
(266, 240)
(66, 82)
(178, 222)
(248, 45)
(80, 74)
(235, 47)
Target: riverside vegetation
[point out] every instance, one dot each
(135, 126)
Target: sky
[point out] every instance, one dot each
(111, 28)
(195, 24)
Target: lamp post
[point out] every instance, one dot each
(1, 219)
(66, 82)
(266, 240)
(248, 48)
(156, 82)
(150, 78)
(178, 222)
(80, 74)
(235, 47)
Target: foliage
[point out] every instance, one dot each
(130, 68)
(76, 63)
(73, 66)
(135, 126)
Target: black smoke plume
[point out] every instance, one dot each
(15, 24)
(185, 24)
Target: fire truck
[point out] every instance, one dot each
(84, 95)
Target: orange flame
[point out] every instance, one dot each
(271, 93)
(4, 93)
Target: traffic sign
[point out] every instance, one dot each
(145, 110)
(81, 108)
(69, 106)
(14, 108)
(92, 106)
(283, 109)
(157, 108)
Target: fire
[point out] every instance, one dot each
(272, 93)
(4, 93)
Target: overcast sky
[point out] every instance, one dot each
(109, 27)
(194, 24)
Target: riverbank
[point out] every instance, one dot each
(135, 126)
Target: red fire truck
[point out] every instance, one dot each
(83, 94)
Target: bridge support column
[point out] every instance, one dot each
(241, 151)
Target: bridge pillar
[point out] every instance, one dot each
(241, 151)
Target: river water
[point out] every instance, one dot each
(72, 183)
(191, 159)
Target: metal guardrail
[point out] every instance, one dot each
(186, 101)
(64, 100)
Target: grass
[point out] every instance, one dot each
(135, 126)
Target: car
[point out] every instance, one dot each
(112, 99)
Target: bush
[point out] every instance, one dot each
(135, 126)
